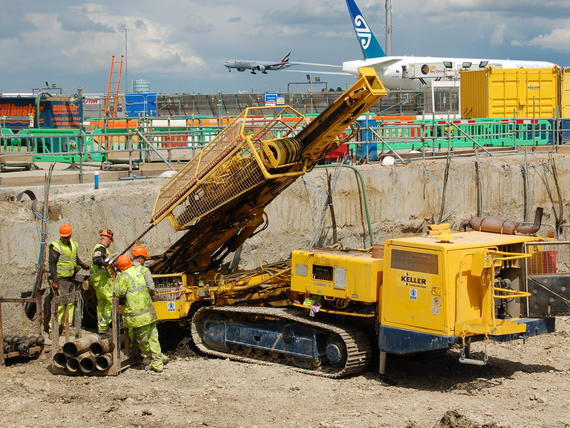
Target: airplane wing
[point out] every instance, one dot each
(373, 62)
(313, 64)
(386, 61)
(337, 73)
(281, 65)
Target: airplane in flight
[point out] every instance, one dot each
(262, 66)
(265, 66)
(411, 72)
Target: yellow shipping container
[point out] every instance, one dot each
(565, 93)
(507, 93)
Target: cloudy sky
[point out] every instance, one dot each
(180, 46)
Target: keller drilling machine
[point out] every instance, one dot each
(410, 295)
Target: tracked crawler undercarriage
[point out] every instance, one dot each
(281, 336)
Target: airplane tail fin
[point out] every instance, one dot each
(285, 59)
(366, 38)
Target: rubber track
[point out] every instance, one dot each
(357, 343)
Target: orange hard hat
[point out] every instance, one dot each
(139, 250)
(106, 232)
(124, 262)
(65, 230)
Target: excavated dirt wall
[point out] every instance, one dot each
(404, 199)
(401, 200)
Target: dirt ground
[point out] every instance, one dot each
(523, 385)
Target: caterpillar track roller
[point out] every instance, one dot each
(281, 336)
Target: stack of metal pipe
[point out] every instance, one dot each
(90, 354)
(25, 345)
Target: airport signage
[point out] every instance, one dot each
(270, 100)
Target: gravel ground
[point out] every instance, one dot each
(523, 385)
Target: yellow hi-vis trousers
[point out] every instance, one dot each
(147, 339)
(104, 293)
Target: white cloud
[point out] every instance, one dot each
(558, 40)
(149, 48)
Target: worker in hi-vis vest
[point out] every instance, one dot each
(64, 262)
(138, 314)
(140, 254)
(101, 280)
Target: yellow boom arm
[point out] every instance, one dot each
(220, 195)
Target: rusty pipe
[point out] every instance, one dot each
(490, 224)
(59, 360)
(86, 362)
(79, 346)
(72, 365)
(496, 225)
(531, 229)
(103, 362)
(101, 347)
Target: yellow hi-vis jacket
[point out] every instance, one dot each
(98, 274)
(67, 258)
(139, 310)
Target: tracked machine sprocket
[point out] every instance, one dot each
(281, 336)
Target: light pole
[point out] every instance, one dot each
(388, 7)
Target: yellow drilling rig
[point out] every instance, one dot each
(328, 311)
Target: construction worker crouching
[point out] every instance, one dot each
(101, 281)
(138, 315)
(64, 262)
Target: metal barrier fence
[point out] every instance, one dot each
(463, 133)
(374, 140)
(74, 146)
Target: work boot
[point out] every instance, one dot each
(157, 365)
(153, 370)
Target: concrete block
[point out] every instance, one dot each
(23, 158)
(122, 156)
(173, 154)
(14, 155)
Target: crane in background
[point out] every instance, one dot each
(113, 88)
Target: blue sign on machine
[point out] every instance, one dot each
(270, 99)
